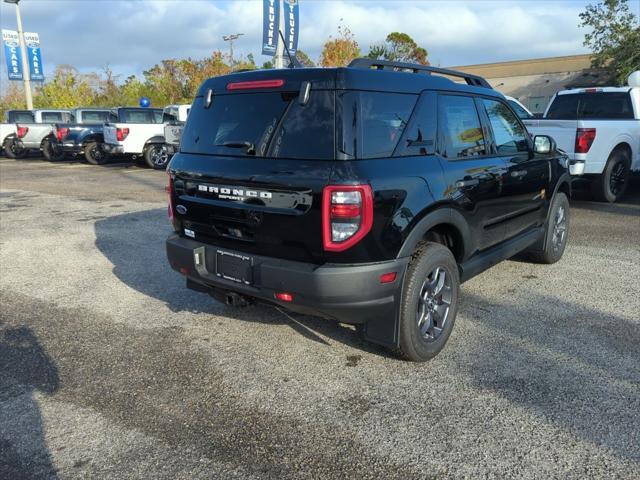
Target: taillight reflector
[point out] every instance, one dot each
(169, 190)
(121, 134)
(275, 83)
(61, 133)
(284, 296)
(388, 277)
(584, 139)
(347, 215)
(22, 131)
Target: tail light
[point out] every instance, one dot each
(347, 216)
(169, 190)
(61, 133)
(275, 83)
(22, 131)
(121, 134)
(584, 139)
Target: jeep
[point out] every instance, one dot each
(364, 194)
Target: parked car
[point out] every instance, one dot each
(83, 137)
(134, 133)
(174, 119)
(364, 194)
(8, 127)
(522, 111)
(599, 128)
(34, 132)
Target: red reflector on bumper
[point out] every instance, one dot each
(284, 297)
(388, 277)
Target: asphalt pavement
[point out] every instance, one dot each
(111, 368)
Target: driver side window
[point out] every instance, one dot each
(509, 134)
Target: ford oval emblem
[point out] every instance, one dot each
(181, 209)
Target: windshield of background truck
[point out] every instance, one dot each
(96, 117)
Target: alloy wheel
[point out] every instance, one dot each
(434, 304)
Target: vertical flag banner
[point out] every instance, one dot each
(291, 22)
(270, 25)
(32, 42)
(12, 54)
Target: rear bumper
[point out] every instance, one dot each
(347, 293)
(113, 149)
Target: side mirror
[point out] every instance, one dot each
(543, 144)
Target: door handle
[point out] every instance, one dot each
(518, 173)
(467, 183)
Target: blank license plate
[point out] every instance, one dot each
(234, 267)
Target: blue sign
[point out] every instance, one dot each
(12, 54)
(270, 26)
(291, 23)
(34, 57)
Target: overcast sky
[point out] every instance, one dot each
(133, 35)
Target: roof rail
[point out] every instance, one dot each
(371, 63)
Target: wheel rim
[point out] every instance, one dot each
(559, 229)
(618, 178)
(96, 153)
(159, 156)
(434, 304)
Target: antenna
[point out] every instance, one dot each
(293, 61)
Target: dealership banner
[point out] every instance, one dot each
(270, 25)
(34, 57)
(12, 54)
(291, 23)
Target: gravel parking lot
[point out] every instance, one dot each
(110, 368)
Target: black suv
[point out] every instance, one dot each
(364, 194)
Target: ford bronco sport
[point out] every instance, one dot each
(364, 194)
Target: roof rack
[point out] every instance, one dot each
(371, 63)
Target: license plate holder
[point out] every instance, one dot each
(234, 267)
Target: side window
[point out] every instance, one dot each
(459, 130)
(508, 132)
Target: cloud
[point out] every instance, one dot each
(133, 35)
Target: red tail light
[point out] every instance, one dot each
(284, 296)
(61, 133)
(584, 139)
(169, 190)
(275, 83)
(22, 131)
(347, 215)
(121, 134)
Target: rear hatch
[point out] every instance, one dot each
(256, 153)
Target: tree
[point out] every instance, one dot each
(399, 47)
(614, 38)
(267, 65)
(67, 89)
(338, 52)
(304, 59)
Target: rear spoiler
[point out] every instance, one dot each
(373, 64)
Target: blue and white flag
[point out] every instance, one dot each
(12, 54)
(292, 25)
(270, 25)
(34, 57)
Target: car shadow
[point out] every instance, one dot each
(135, 244)
(575, 366)
(25, 368)
(629, 204)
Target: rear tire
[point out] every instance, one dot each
(156, 156)
(13, 150)
(94, 153)
(429, 302)
(612, 184)
(556, 232)
(53, 153)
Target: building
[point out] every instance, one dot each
(533, 82)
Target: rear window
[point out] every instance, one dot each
(141, 116)
(49, 117)
(19, 117)
(594, 106)
(267, 124)
(95, 116)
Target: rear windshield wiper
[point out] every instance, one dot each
(251, 148)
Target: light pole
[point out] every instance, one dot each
(230, 39)
(26, 76)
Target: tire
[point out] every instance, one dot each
(612, 184)
(95, 154)
(12, 150)
(556, 231)
(430, 292)
(156, 156)
(51, 152)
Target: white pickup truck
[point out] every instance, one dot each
(599, 129)
(174, 119)
(135, 132)
(33, 130)
(8, 127)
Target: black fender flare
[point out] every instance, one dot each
(155, 140)
(565, 178)
(442, 216)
